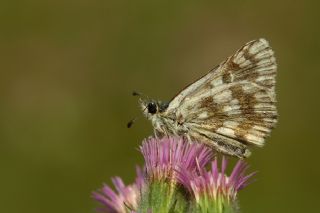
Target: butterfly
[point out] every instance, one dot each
(229, 109)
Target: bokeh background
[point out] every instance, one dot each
(68, 69)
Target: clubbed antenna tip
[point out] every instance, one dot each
(130, 123)
(134, 93)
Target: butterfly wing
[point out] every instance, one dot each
(234, 104)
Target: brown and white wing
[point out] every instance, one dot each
(236, 101)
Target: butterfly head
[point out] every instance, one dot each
(151, 108)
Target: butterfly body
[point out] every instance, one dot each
(230, 108)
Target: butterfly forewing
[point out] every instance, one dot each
(234, 104)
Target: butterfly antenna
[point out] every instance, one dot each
(131, 122)
(135, 93)
(140, 95)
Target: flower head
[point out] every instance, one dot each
(214, 189)
(164, 157)
(125, 199)
(174, 166)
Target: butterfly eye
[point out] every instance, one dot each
(152, 107)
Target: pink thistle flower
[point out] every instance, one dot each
(124, 200)
(164, 157)
(174, 166)
(215, 187)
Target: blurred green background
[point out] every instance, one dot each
(68, 68)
